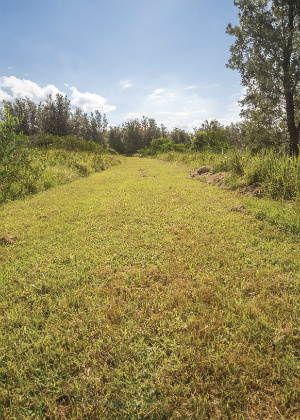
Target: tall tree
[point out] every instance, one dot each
(267, 54)
(62, 114)
(150, 130)
(56, 115)
(26, 111)
(178, 135)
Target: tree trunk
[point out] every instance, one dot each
(287, 84)
(292, 129)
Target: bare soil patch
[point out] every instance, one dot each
(255, 190)
(7, 240)
(205, 173)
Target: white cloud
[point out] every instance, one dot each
(125, 84)
(89, 101)
(12, 88)
(20, 88)
(190, 87)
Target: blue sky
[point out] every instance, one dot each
(164, 59)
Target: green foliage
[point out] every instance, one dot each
(163, 145)
(160, 145)
(71, 143)
(55, 118)
(200, 140)
(179, 136)
(211, 135)
(135, 135)
(48, 168)
(111, 151)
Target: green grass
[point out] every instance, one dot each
(137, 293)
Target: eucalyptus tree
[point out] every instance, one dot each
(62, 114)
(150, 130)
(266, 52)
(178, 135)
(26, 112)
(116, 140)
(56, 115)
(98, 126)
(132, 136)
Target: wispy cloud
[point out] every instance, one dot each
(184, 113)
(191, 87)
(125, 84)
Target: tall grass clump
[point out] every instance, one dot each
(279, 173)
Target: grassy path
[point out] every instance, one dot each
(137, 293)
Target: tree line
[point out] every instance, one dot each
(55, 118)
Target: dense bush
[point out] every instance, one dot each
(211, 135)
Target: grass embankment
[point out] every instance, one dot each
(43, 168)
(138, 293)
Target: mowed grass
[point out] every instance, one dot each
(137, 293)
